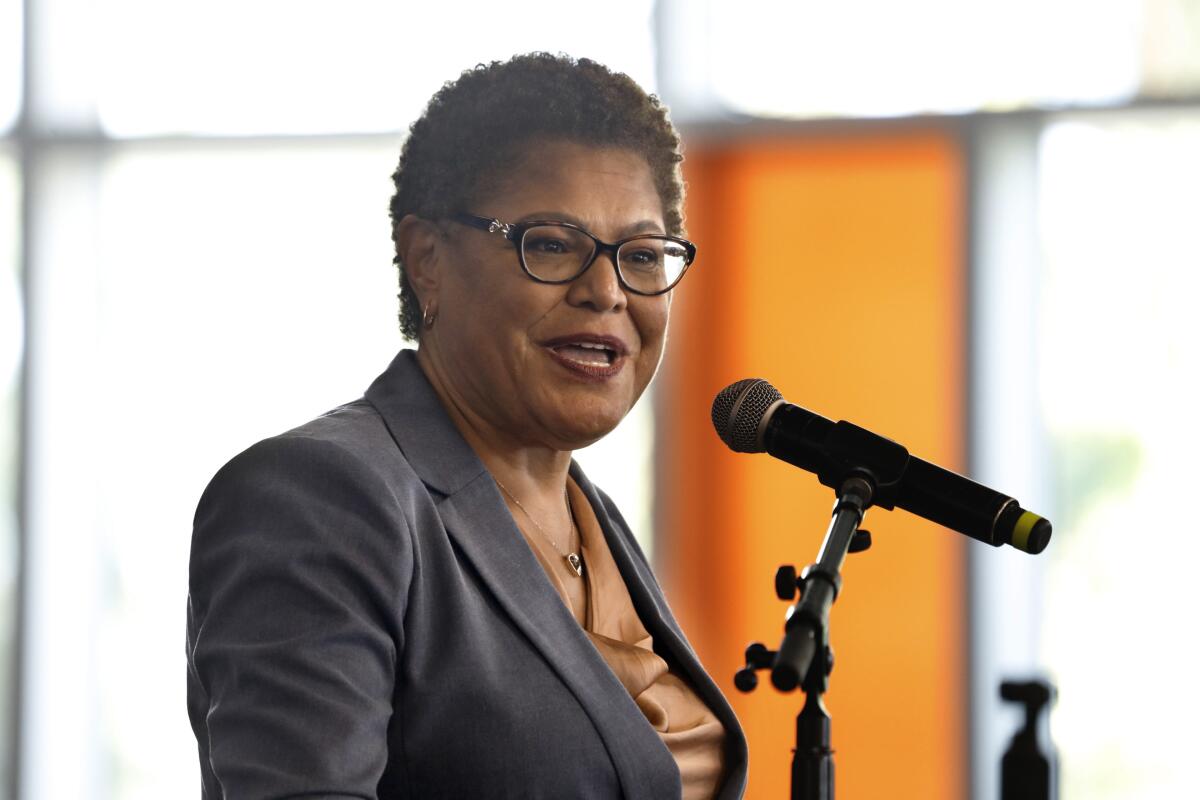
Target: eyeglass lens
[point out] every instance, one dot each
(556, 253)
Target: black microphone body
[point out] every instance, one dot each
(753, 417)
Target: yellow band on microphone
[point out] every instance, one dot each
(1025, 523)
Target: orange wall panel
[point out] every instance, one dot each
(833, 267)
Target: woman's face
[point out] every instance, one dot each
(552, 365)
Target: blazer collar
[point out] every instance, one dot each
(414, 416)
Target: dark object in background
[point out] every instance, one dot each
(1026, 772)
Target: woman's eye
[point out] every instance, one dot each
(642, 259)
(547, 246)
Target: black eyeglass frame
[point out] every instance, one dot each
(515, 232)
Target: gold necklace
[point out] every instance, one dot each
(573, 560)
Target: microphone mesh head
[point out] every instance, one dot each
(737, 411)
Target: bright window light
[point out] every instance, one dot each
(1118, 382)
(280, 66)
(191, 301)
(11, 53)
(879, 58)
(11, 353)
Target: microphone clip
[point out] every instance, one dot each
(852, 451)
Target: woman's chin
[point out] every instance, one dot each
(581, 424)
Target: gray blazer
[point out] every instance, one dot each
(365, 620)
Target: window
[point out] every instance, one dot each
(11, 347)
(1118, 377)
(274, 66)
(1092, 295)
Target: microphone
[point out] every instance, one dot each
(751, 416)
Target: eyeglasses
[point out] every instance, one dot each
(559, 252)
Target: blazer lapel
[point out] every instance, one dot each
(476, 518)
(660, 623)
(481, 526)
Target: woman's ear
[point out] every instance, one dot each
(418, 244)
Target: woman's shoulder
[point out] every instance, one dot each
(322, 488)
(344, 453)
(355, 429)
(350, 435)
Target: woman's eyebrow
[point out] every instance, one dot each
(644, 226)
(641, 226)
(551, 216)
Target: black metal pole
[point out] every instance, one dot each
(812, 760)
(807, 623)
(805, 658)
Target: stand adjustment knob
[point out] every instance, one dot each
(757, 657)
(786, 583)
(745, 679)
(860, 541)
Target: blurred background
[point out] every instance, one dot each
(962, 224)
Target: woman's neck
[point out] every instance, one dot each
(536, 474)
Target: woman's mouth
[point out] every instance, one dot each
(592, 358)
(588, 355)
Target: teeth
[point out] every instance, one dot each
(591, 354)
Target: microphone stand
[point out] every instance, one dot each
(805, 657)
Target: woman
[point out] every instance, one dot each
(419, 594)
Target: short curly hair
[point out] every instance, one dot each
(476, 124)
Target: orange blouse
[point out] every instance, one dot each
(602, 606)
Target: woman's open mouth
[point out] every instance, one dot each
(588, 356)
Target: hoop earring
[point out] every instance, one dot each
(429, 315)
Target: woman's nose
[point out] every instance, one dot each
(598, 287)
